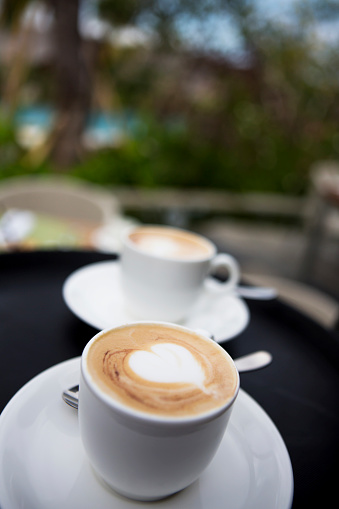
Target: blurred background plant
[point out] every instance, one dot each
(205, 93)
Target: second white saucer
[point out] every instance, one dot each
(94, 294)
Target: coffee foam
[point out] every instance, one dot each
(162, 371)
(170, 243)
(167, 363)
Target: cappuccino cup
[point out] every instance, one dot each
(164, 270)
(154, 402)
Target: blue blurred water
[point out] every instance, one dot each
(102, 126)
(40, 116)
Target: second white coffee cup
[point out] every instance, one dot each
(164, 270)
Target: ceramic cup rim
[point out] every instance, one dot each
(145, 417)
(200, 238)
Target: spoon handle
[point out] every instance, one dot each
(256, 292)
(253, 361)
(71, 396)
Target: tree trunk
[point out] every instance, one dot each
(73, 86)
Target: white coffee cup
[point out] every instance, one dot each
(161, 283)
(140, 454)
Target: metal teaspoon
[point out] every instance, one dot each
(256, 292)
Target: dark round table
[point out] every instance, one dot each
(299, 390)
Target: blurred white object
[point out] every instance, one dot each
(15, 225)
(94, 294)
(107, 238)
(31, 136)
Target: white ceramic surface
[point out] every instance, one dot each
(160, 285)
(107, 238)
(94, 294)
(43, 465)
(140, 454)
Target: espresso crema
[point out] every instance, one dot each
(171, 243)
(161, 370)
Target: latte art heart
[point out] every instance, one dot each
(162, 370)
(167, 363)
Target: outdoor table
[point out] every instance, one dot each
(299, 390)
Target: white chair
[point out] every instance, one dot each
(312, 302)
(59, 196)
(323, 212)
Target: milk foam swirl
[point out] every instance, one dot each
(170, 243)
(157, 396)
(167, 363)
(158, 371)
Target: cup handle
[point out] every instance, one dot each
(226, 261)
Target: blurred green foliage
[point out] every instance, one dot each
(160, 156)
(204, 122)
(10, 152)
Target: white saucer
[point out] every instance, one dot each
(43, 464)
(94, 294)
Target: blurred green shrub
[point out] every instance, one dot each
(9, 149)
(264, 158)
(205, 122)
